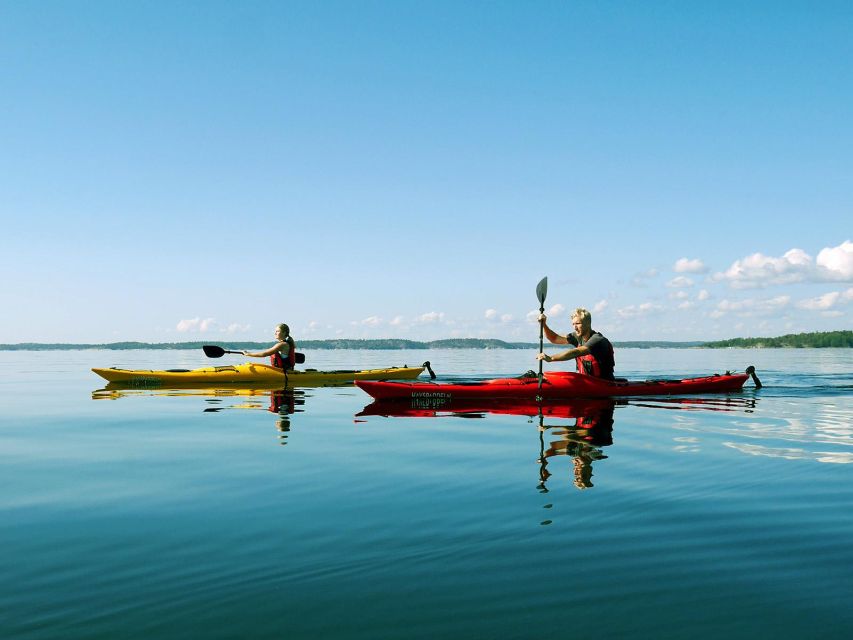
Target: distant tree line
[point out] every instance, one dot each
(342, 343)
(817, 340)
(798, 340)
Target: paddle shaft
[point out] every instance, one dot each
(541, 292)
(541, 342)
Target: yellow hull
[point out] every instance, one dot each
(251, 374)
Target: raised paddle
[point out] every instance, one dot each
(541, 292)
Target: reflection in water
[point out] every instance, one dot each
(590, 429)
(282, 402)
(582, 439)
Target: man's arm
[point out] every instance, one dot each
(571, 354)
(553, 337)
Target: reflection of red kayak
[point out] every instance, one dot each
(432, 407)
(567, 408)
(555, 385)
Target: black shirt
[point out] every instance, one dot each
(601, 350)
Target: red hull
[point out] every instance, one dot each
(555, 385)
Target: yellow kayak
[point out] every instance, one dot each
(252, 374)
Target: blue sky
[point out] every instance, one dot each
(204, 170)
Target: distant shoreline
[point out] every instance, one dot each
(831, 339)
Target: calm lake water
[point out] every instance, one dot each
(195, 514)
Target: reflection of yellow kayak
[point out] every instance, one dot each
(116, 390)
(251, 373)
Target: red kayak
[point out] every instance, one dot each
(555, 385)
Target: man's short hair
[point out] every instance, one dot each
(584, 316)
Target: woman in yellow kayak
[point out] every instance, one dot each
(282, 353)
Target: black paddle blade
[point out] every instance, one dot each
(542, 290)
(751, 371)
(212, 351)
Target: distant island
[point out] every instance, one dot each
(798, 341)
(817, 340)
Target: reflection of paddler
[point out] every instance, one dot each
(593, 427)
(283, 402)
(583, 469)
(581, 442)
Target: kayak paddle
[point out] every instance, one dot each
(212, 351)
(541, 292)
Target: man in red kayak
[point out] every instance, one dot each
(592, 352)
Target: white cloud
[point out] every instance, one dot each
(827, 301)
(314, 326)
(820, 303)
(431, 317)
(237, 328)
(685, 265)
(759, 270)
(640, 279)
(837, 262)
(397, 321)
(372, 321)
(506, 318)
(195, 325)
(751, 307)
(680, 282)
(703, 295)
(833, 264)
(638, 311)
(599, 306)
(491, 314)
(556, 310)
(679, 295)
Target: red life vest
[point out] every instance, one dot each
(284, 362)
(588, 365)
